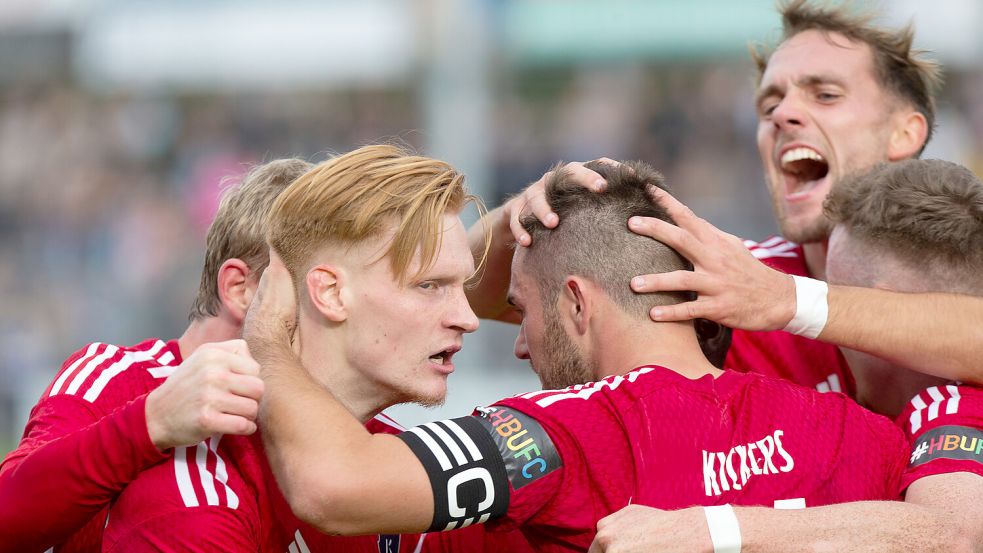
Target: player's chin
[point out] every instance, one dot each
(431, 393)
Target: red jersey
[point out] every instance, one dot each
(944, 425)
(555, 462)
(777, 353)
(85, 440)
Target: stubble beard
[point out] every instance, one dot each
(564, 364)
(815, 230)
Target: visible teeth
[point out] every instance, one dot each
(796, 154)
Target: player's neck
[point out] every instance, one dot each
(202, 331)
(815, 254)
(628, 345)
(322, 353)
(886, 390)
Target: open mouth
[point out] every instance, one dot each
(803, 169)
(444, 357)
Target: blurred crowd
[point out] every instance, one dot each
(104, 199)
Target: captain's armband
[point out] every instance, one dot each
(466, 471)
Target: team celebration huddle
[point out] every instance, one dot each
(810, 392)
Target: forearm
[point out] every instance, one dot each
(939, 334)
(488, 296)
(55, 489)
(869, 526)
(335, 474)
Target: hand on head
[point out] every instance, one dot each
(532, 200)
(733, 288)
(271, 321)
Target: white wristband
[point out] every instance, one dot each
(725, 532)
(811, 307)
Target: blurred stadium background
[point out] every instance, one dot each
(119, 120)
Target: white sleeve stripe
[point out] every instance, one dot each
(207, 481)
(222, 475)
(438, 453)
(952, 406)
(916, 415)
(301, 544)
(452, 446)
(89, 367)
(937, 399)
(71, 369)
(465, 439)
(292, 548)
(183, 476)
(419, 544)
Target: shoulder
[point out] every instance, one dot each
(639, 381)
(936, 406)
(102, 373)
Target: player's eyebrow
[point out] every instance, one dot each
(767, 92)
(806, 81)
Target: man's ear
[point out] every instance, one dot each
(909, 135)
(325, 284)
(236, 286)
(576, 303)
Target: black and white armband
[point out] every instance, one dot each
(466, 472)
(474, 463)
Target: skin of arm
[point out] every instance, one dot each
(737, 290)
(333, 472)
(487, 296)
(941, 514)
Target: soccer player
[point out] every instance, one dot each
(837, 95)
(114, 411)
(220, 494)
(662, 427)
(913, 226)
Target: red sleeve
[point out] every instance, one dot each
(70, 464)
(944, 425)
(187, 530)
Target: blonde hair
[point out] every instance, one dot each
(356, 196)
(239, 228)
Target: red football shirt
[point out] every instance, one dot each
(85, 440)
(944, 425)
(806, 362)
(555, 462)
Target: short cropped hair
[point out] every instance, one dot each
(927, 213)
(359, 195)
(593, 240)
(905, 72)
(239, 228)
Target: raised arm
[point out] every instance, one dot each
(487, 297)
(334, 473)
(737, 290)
